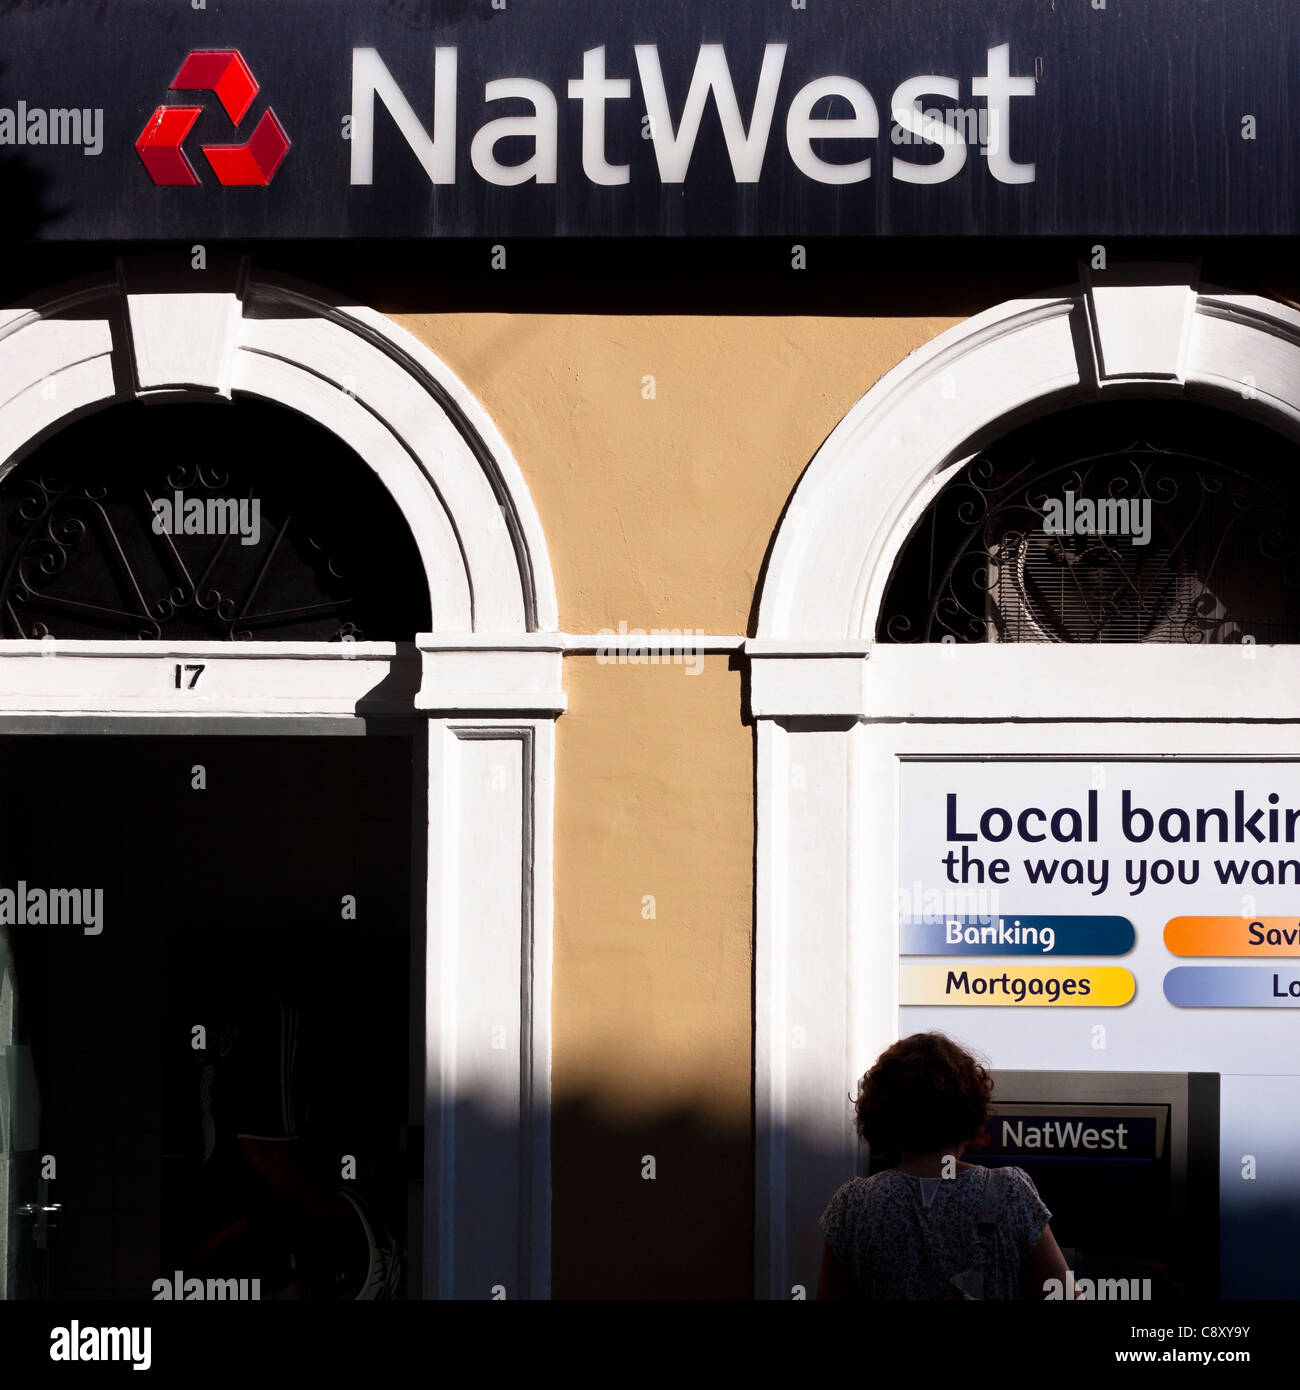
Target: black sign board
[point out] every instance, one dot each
(249, 119)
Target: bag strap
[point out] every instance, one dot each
(969, 1283)
(991, 1202)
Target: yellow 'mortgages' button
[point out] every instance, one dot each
(1015, 986)
(1233, 936)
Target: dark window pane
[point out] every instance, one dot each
(299, 538)
(1141, 521)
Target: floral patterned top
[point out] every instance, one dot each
(904, 1237)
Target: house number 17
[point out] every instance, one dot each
(194, 672)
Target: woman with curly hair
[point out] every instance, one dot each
(931, 1226)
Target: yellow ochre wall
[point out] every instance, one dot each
(658, 513)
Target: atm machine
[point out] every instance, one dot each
(1128, 1163)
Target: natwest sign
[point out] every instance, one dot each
(673, 131)
(409, 118)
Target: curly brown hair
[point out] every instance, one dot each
(924, 1093)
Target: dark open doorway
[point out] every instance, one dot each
(218, 1062)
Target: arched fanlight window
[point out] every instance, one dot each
(201, 521)
(1137, 521)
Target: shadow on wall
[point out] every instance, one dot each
(23, 194)
(688, 1232)
(620, 1229)
(624, 1227)
(661, 1208)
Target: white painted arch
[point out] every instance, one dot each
(837, 716)
(144, 334)
(1148, 329)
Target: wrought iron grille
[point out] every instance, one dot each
(87, 551)
(1142, 522)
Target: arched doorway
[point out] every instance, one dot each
(1031, 683)
(376, 570)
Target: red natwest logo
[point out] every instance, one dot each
(223, 71)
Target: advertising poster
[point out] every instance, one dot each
(1130, 920)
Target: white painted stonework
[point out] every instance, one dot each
(486, 680)
(836, 714)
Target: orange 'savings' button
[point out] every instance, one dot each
(1233, 936)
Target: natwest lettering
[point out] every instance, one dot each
(427, 121)
(1062, 1134)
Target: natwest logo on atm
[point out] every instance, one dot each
(1068, 1135)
